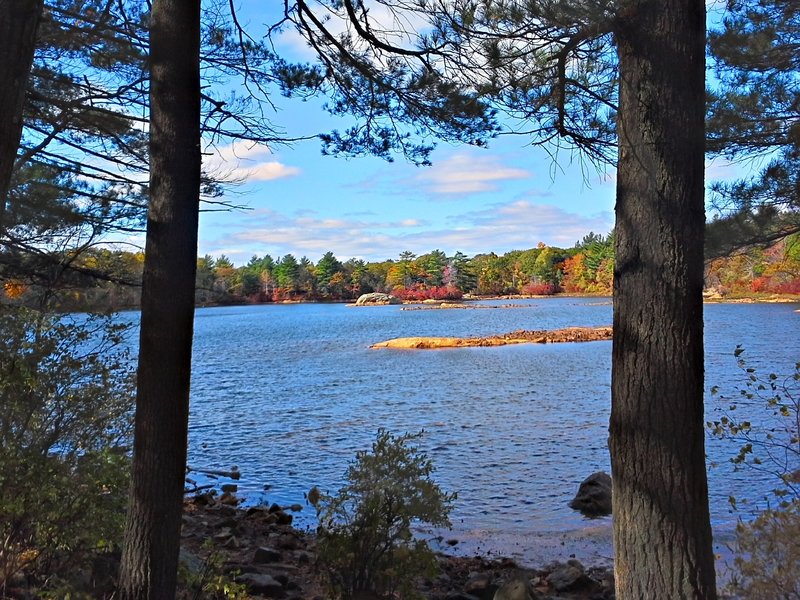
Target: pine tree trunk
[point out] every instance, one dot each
(152, 535)
(19, 21)
(662, 534)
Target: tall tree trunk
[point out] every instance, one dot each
(152, 535)
(662, 534)
(19, 21)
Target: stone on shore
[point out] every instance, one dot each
(571, 577)
(262, 584)
(517, 588)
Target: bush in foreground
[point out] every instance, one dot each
(767, 549)
(767, 562)
(66, 391)
(365, 538)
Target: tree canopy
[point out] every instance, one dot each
(754, 114)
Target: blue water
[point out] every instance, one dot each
(289, 393)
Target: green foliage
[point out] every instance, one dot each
(66, 389)
(210, 582)
(365, 537)
(588, 268)
(753, 111)
(771, 444)
(286, 272)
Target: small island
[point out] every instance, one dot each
(568, 334)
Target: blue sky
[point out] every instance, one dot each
(509, 196)
(472, 200)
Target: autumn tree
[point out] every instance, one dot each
(622, 82)
(488, 269)
(356, 271)
(546, 267)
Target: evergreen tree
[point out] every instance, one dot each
(434, 263)
(81, 163)
(754, 110)
(462, 273)
(405, 269)
(306, 279)
(326, 268)
(149, 565)
(19, 22)
(287, 272)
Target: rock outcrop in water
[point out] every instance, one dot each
(569, 334)
(594, 495)
(376, 299)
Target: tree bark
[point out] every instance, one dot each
(662, 533)
(19, 22)
(152, 535)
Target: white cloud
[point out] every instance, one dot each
(468, 174)
(246, 161)
(522, 224)
(499, 228)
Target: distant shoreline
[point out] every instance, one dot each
(708, 298)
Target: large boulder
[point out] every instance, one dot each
(594, 495)
(262, 584)
(517, 588)
(570, 577)
(376, 298)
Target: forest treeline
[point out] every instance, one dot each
(586, 268)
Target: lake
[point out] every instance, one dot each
(289, 393)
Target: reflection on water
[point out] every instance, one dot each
(290, 393)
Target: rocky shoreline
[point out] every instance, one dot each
(259, 548)
(569, 334)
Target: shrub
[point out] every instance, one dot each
(365, 537)
(420, 292)
(768, 556)
(210, 582)
(539, 289)
(66, 391)
(788, 287)
(767, 550)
